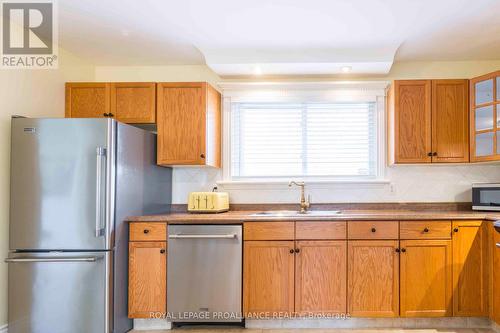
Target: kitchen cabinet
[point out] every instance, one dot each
(450, 121)
(412, 121)
(495, 270)
(189, 124)
(321, 277)
(373, 279)
(470, 269)
(147, 292)
(87, 100)
(268, 277)
(129, 102)
(426, 278)
(134, 102)
(485, 122)
(428, 121)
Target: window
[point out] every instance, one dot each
(320, 140)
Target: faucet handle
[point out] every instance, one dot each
(308, 200)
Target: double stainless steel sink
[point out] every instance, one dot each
(291, 213)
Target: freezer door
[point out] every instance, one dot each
(59, 292)
(60, 175)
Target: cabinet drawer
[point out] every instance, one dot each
(268, 230)
(373, 229)
(148, 231)
(425, 229)
(321, 230)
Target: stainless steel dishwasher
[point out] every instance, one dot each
(204, 273)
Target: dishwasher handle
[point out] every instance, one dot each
(202, 236)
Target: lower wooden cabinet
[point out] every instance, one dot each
(373, 279)
(147, 291)
(321, 277)
(470, 269)
(426, 283)
(495, 308)
(268, 277)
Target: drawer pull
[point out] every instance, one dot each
(426, 230)
(146, 231)
(374, 230)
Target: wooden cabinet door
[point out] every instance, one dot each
(470, 269)
(495, 311)
(450, 121)
(321, 277)
(373, 279)
(268, 277)
(134, 102)
(412, 121)
(147, 287)
(181, 123)
(426, 278)
(87, 100)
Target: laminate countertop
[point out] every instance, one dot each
(239, 216)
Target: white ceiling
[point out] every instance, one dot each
(280, 36)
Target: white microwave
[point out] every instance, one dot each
(486, 196)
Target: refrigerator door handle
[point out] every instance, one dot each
(99, 206)
(51, 259)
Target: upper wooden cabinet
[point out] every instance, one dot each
(129, 102)
(134, 102)
(189, 124)
(485, 121)
(428, 121)
(450, 121)
(87, 100)
(412, 121)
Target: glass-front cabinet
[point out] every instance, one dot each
(485, 118)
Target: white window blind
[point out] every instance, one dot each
(303, 140)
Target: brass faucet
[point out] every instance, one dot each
(304, 204)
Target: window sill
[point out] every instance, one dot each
(315, 184)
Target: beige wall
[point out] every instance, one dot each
(34, 93)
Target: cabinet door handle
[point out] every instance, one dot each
(292, 251)
(403, 250)
(202, 155)
(105, 114)
(434, 154)
(429, 154)
(162, 251)
(398, 250)
(455, 230)
(297, 250)
(111, 115)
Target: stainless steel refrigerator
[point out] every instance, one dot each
(73, 181)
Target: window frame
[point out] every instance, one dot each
(313, 92)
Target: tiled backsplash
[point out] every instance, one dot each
(407, 183)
